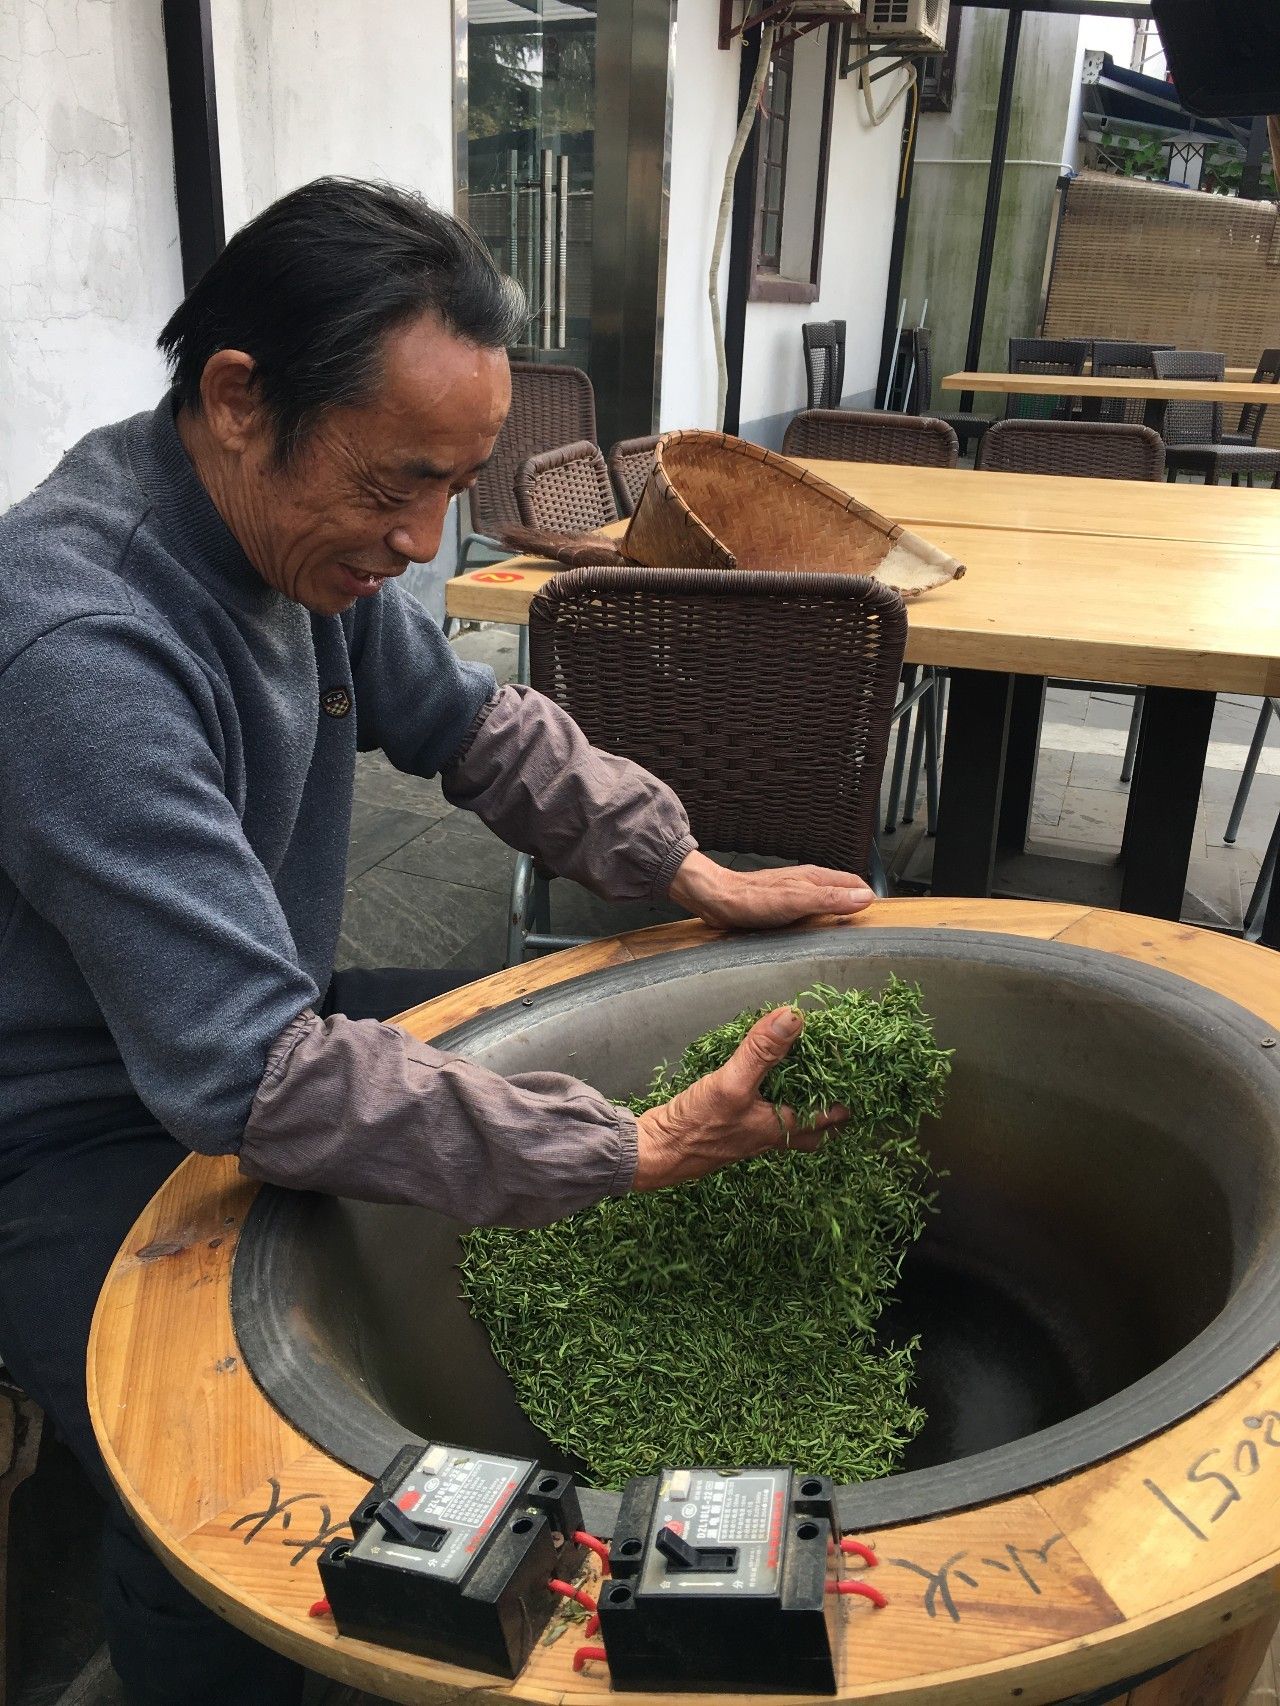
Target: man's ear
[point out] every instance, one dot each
(229, 402)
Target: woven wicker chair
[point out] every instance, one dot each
(1045, 355)
(851, 435)
(965, 426)
(550, 406)
(1252, 415)
(1092, 450)
(630, 463)
(763, 698)
(1193, 431)
(1113, 360)
(823, 342)
(566, 490)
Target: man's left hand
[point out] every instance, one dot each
(763, 900)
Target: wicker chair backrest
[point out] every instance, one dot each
(851, 435)
(762, 697)
(631, 462)
(1114, 360)
(921, 394)
(1094, 450)
(550, 406)
(1267, 373)
(823, 342)
(566, 490)
(1191, 423)
(1044, 355)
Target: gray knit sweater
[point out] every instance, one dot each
(177, 748)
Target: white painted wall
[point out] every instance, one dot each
(307, 87)
(860, 202)
(861, 195)
(89, 264)
(704, 118)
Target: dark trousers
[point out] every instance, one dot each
(62, 1220)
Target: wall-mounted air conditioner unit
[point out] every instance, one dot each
(919, 26)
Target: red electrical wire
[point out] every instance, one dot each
(858, 1550)
(570, 1592)
(321, 1608)
(593, 1625)
(584, 1653)
(864, 1589)
(580, 1537)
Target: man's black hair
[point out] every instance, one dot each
(311, 287)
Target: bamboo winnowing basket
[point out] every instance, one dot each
(714, 501)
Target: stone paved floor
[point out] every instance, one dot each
(428, 886)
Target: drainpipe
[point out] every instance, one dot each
(898, 247)
(991, 212)
(193, 110)
(741, 243)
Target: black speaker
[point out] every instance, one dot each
(1224, 54)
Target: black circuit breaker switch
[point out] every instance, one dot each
(718, 1581)
(451, 1557)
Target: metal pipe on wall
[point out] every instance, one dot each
(897, 250)
(991, 211)
(741, 243)
(635, 66)
(193, 111)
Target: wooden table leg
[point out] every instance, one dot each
(1022, 756)
(972, 779)
(1163, 800)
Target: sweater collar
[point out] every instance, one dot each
(204, 543)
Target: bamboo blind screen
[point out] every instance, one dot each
(1149, 264)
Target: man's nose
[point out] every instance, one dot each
(417, 534)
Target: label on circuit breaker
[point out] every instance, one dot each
(455, 1498)
(710, 1508)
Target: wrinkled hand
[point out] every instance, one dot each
(723, 1118)
(763, 900)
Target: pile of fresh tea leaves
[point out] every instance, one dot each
(731, 1321)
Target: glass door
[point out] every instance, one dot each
(531, 159)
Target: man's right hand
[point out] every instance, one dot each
(723, 1118)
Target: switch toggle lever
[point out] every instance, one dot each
(403, 1528)
(703, 1560)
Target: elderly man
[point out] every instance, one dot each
(199, 628)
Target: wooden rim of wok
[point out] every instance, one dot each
(1172, 1548)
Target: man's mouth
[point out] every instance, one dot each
(359, 583)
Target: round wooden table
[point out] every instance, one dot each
(1171, 1549)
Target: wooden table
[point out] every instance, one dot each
(1115, 1570)
(1157, 394)
(1088, 385)
(1173, 588)
(925, 499)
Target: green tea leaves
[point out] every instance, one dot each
(731, 1320)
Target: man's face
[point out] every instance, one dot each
(367, 492)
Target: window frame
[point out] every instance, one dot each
(767, 283)
(785, 56)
